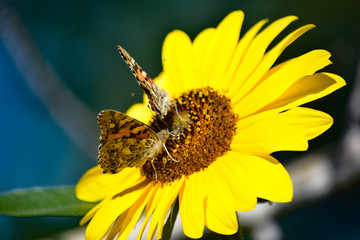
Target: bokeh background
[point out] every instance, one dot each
(59, 67)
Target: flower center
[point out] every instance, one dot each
(201, 125)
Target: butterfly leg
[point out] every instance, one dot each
(152, 164)
(169, 154)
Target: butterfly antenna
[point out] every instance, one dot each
(169, 154)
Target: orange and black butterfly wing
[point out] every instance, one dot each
(123, 141)
(159, 100)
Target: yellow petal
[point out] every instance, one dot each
(128, 219)
(267, 133)
(271, 180)
(238, 57)
(191, 201)
(256, 52)
(269, 59)
(160, 80)
(220, 210)
(94, 185)
(150, 207)
(220, 50)
(305, 90)
(177, 58)
(280, 78)
(170, 192)
(161, 224)
(201, 46)
(107, 214)
(116, 226)
(165, 192)
(92, 212)
(141, 112)
(309, 121)
(239, 182)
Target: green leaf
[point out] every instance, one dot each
(37, 202)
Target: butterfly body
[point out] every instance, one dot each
(126, 142)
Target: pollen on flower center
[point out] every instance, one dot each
(201, 125)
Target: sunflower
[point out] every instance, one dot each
(232, 109)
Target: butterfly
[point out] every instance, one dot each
(159, 100)
(127, 142)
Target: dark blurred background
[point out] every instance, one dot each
(59, 67)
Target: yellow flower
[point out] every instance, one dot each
(238, 109)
